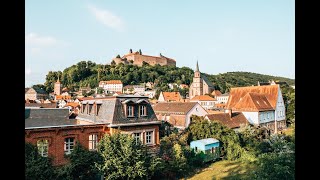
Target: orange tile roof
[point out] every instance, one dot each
(271, 93)
(110, 82)
(253, 102)
(174, 107)
(203, 98)
(171, 96)
(234, 121)
(62, 97)
(72, 104)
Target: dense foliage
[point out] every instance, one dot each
(81, 166)
(124, 158)
(36, 166)
(88, 73)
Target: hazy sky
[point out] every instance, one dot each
(223, 35)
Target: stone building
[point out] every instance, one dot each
(200, 84)
(138, 58)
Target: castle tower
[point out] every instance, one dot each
(57, 87)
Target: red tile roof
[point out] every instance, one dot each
(203, 98)
(62, 97)
(253, 102)
(73, 104)
(232, 122)
(171, 96)
(271, 93)
(110, 82)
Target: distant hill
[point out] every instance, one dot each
(88, 73)
(239, 79)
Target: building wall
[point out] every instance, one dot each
(141, 129)
(152, 60)
(280, 108)
(57, 88)
(252, 117)
(31, 94)
(161, 98)
(266, 116)
(113, 87)
(196, 110)
(222, 99)
(56, 138)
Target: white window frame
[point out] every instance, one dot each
(69, 145)
(93, 142)
(130, 109)
(151, 137)
(43, 147)
(139, 137)
(143, 110)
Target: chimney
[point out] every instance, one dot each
(229, 111)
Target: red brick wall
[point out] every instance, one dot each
(56, 137)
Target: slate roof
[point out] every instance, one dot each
(112, 110)
(207, 80)
(174, 107)
(236, 119)
(41, 105)
(47, 117)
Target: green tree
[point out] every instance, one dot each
(124, 158)
(36, 166)
(82, 165)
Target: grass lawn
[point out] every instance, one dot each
(224, 170)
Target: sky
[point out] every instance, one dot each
(223, 35)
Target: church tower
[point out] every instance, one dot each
(196, 88)
(57, 87)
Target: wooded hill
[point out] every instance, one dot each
(88, 73)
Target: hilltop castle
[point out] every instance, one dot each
(137, 59)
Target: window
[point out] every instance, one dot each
(149, 137)
(213, 150)
(43, 147)
(93, 141)
(68, 145)
(196, 148)
(268, 115)
(130, 111)
(83, 107)
(137, 137)
(143, 110)
(98, 108)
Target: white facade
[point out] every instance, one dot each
(112, 87)
(266, 116)
(196, 110)
(139, 89)
(206, 104)
(280, 112)
(252, 117)
(150, 94)
(161, 98)
(222, 99)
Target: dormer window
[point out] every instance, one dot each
(130, 112)
(143, 110)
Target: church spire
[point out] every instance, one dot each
(197, 68)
